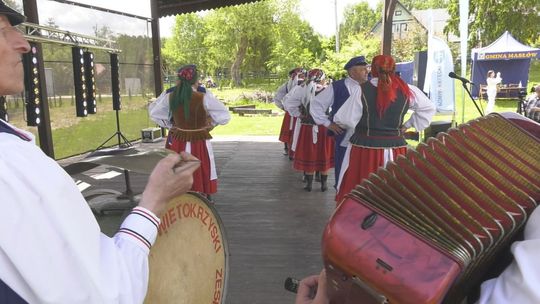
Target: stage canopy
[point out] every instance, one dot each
(505, 55)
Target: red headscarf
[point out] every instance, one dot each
(384, 67)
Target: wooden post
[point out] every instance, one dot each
(387, 18)
(44, 128)
(156, 48)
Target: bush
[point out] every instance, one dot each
(257, 96)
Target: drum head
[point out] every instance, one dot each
(188, 262)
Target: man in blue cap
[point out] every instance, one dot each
(332, 98)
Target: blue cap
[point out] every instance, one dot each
(13, 16)
(359, 60)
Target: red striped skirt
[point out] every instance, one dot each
(201, 178)
(311, 157)
(362, 162)
(285, 134)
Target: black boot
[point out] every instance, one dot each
(286, 149)
(324, 187)
(304, 177)
(309, 183)
(317, 176)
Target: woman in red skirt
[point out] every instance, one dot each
(193, 114)
(296, 77)
(314, 149)
(377, 117)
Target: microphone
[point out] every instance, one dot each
(455, 76)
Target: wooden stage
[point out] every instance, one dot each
(273, 226)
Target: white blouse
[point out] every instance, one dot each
(159, 110)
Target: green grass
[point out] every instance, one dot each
(250, 125)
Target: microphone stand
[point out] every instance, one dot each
(470, 95)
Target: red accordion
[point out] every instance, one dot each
(429, 225)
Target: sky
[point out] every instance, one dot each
(319, 13)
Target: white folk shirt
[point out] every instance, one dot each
(350, 113)
(51, 247)
(324, 100)
(280, 94)
(519, 282)
(159, 110)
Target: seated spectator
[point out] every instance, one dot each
(532, 105)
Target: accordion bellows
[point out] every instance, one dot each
(427, 227)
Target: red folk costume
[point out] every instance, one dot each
(296, 77)
(193, 115)
(314, 149)
(378, 123)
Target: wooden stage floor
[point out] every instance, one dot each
(273, 226)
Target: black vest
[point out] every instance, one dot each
(305, 117)
(376, 132)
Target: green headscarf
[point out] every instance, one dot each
(183, 91)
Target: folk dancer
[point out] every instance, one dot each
(333, 98)
(191, 115)
(296, 77)
(314, 149)
(377, 118)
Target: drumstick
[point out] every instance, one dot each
(185, 164)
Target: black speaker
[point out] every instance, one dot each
(32, 86)
(79, 80)
(436, 127)
(90, 82)
(420, 64)
(115, 82)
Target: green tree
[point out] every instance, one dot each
(294, 41)
(488, 19)
(355, 45)
(358, 18)
(235, 32)
(187, 43)
(403, 49)
(424, 4)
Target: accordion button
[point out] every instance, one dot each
(369, 221)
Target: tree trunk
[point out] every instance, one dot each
(240, 55)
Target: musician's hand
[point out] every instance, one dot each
(334, 127)
(403, 129)
(312, 290)
(171, 177)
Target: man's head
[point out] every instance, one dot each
(357, 68)
(537, 89)
(12, 46)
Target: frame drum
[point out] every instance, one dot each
(188, 262)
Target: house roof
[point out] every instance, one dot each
(440, 19)
(176, 7)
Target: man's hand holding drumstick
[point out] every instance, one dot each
(171, 177)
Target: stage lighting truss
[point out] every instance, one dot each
(90, 82)
(32, 83)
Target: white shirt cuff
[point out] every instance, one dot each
(140, 227)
